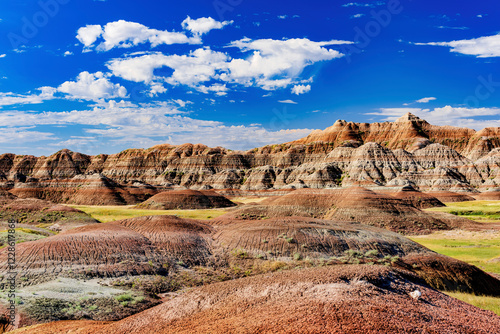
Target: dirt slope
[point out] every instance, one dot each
(347, 299)
(186, 199)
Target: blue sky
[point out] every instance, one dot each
(103, 76)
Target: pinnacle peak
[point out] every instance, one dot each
(408, 117)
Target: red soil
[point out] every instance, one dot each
(488, 196)
(338, 299)
(355, 204)
(418, 199)
(450, 197)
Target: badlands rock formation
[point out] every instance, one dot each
(408, 151)
(153, 245)
(348, 299)
(393, 211)
(185, 200)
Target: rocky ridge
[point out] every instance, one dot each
(409, 151)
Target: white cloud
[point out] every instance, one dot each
(482, 47)
(453, 28)
(68, 53)
(88, 35)
(203, 25)
(3, 55)
(113, 126)
(288, 101)
(425, 100)
(301, 89)
(357, 4)
(282, 17)
(357, 16)
(464, 117)
(46, 93)
(19, 135)
(157, 88)
(271, 64)
(125, 34)
(92, 86)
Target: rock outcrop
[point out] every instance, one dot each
(408, 151)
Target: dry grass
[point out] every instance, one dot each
(111, 213)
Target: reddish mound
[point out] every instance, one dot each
(94, 189)
(347, 299)
(182, 239)
(6, 197)
(94, 250)
(29, 205)
(445, 273)
(186, 199)
(352, 204)
(488, 196)
(417, 198)
(134, 246)
(314, 238)
(450, 197)
(56, 217)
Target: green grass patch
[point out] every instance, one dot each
(111, 213)
(482, 211)
(484, 302)
(477, 248)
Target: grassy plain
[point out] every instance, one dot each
(475, 247)
(106, 214)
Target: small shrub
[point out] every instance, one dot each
(124, 297)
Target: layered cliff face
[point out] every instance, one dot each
(407, 152)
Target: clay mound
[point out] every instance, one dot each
(34, 211)
(94, 189)
(451, 197)
(488, 196)
(347, 299)
(185, 200)
(354, 204)
(6, 197)
(185, 240)
(28, 205)
(445, 273)
(103, 250)
(313, 238)
(134, 246)
(418, 199)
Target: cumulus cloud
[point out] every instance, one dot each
(92, 86)
(288, 101)
(270, 64)
(203, 25)
(482, 47)
(88, 35)
(453, 116)
(8, 98)
(126, 34)
(300, 89)
(3, 55)
(113, 126)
